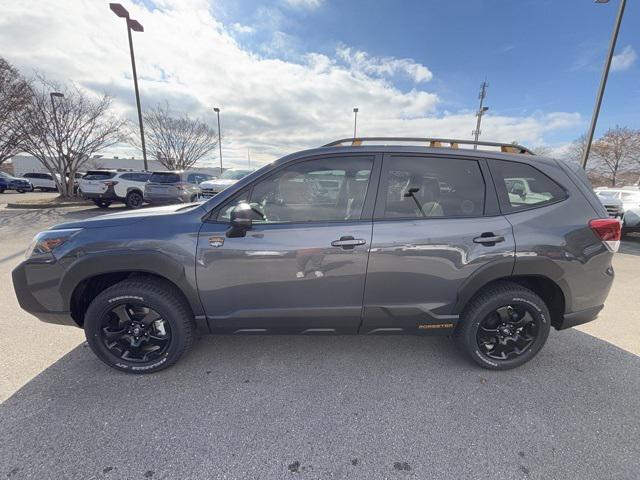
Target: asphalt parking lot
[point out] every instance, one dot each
(317, 407)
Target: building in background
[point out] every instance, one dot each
(21, 164)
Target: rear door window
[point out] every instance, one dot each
(164, 177)
(423, 187)
(521, 186)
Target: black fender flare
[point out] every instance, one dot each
(146, 261)
(509, 267)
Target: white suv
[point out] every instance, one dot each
(107, 186)
(622, 203)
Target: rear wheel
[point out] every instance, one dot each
(504, 326)
(1, 189)
(134, 200)
(139, 325)
(102, 203)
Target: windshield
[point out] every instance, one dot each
(235, 174)
(607, 194)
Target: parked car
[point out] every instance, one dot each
(181, 186)
(229, 177)
(338, 240)
(622, 203)
(20, 185)
(104, 187)
(41, 181)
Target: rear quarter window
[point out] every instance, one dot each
(521, 186)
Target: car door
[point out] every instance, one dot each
(436, 228)
(301, 267)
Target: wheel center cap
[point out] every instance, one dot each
(505, 331)
(136, 331)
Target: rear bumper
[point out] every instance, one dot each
(155, 198)
(108, 194)
(578, 318)
(26, 282)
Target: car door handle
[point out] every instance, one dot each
(348, 242)
(488, 239)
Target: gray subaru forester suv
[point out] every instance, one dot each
(492, 246)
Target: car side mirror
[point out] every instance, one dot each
(241, 220)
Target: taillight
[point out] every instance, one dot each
(110, 183)
(609, 230)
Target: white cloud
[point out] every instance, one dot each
(624, 59)
(362, 62)
(306, 4)
(270, 105)
(239, 28)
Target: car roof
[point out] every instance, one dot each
(416, 149)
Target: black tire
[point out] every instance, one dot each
(489, 302)
(1, 190)
(161, 296)
(102, 203)
(21, 191)
(134, 200)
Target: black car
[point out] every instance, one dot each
(20, 185)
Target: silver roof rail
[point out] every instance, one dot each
(432, 142)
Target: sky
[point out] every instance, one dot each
(286, 74)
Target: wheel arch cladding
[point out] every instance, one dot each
(89, 275)
(546, 288)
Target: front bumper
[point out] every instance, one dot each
(36, 289)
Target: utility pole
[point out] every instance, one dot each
(134, 25)
(480, 113)
(217, 110)
(355, 121)
(603, 79)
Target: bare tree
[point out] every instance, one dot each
(64, 132)
(616, 152)
(15, 94)
(542, 150)
(577, 149)
(177, 142)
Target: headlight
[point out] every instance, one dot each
(45, 242)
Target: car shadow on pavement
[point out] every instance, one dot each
(330, 407)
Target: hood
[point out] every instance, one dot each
(226, 182)
(129, 216)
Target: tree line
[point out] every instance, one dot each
(64, 130)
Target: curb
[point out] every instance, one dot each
(31, 206)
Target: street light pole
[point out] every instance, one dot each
(603, 80)
(355, 121)
(217, 110)
(134, 25)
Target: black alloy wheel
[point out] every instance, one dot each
(507, 332)
(134, 200)
(135, 333)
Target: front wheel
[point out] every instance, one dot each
(504, 326)
(139, 325)
(102, 203)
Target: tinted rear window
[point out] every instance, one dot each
(97, 175)
(164, 177)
